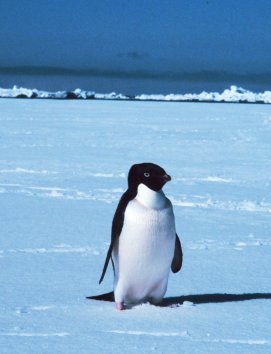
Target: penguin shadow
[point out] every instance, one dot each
(195, 299)
(214, 298)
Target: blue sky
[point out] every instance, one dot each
(148, 40)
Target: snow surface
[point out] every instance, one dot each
(234, 94)
(63, 168)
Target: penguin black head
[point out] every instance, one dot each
(153, 176)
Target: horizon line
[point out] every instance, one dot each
(201, 75)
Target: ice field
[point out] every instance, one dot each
(63, 168)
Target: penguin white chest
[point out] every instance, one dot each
(145, 249)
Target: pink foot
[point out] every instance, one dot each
(120, 306)
(173, 306)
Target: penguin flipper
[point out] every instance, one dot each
(177, 261)
(108, 256)
(116, 229)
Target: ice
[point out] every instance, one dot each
(59, 187)
(234, 94)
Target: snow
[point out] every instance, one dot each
(234, 95)
(63, 168)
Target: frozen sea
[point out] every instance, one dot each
(63, 168)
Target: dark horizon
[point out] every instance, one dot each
(130, 81)
(200, 75)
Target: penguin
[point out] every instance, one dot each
(144, 243)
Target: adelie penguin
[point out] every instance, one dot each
(144, 243)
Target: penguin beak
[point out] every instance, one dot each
(166, 178)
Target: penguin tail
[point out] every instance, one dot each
(103, 297)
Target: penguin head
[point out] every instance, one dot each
(153, 176)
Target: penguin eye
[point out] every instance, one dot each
(146, 174)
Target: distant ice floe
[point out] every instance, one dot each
(232, 95)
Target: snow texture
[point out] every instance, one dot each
(63, 168)
(234, 95)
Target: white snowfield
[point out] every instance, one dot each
(63, 168)
(234, 95)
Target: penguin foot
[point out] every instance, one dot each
(120, 306)
(173, 306)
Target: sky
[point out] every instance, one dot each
(151, 45)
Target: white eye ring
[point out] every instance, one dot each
(146, 174)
